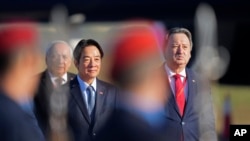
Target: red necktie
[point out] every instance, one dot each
(179, 93)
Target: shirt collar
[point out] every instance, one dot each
(84, 84)
(170, 73)
(53, 78)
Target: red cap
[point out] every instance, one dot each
(16, 35)
(135, 45)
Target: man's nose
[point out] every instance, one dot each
(60, 59)
(92, 62)
(179, 49)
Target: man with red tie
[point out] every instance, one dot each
(189, 111)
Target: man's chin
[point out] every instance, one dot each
(180, 62)
(61, 73)
(92, 75)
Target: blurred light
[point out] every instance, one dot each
(73, 42)
(102, 28)
(211, 60)
(59, 15)
(52, 29)
(78, 18)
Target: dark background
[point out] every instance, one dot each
(233, 17)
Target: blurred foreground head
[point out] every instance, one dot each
(19, 59)
(137, 63)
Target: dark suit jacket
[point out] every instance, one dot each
(15, 123)
(83, 128)
(197, 123)
(41, 100)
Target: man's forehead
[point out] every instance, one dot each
(174, 35)
(175, 39)
(61, 46)
(91, 50)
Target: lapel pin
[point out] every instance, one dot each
(101, 92)
(193, 80)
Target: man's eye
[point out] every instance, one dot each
(65, 57)
(54, 57)
(86, 59)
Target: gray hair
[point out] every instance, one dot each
(53, 43)
(181, 30)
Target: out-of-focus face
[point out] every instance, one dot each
(150, 91)
(59, 59)
(35, 63)
(26, 80)
(156, 87)
(178, 51)
(89, 64)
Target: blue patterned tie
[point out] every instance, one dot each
(90, 99)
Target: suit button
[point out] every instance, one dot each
(94, 134)
(183, 123)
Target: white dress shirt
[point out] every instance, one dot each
(171, 79)
(83, 86)
(53, 78)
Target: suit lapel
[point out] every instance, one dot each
(174, 104)
(191, 91)
(47, 83)
(46, 86)
(77, 97)
(70, 76)
(171, 102)
(100, 96)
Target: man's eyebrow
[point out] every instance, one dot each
(85, 56)
(174, 44)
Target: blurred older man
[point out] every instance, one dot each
(58, 61)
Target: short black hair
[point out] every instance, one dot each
(84, 43)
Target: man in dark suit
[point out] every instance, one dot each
(58, 61)
(19, 60)
(91, 100)
(189, 112)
